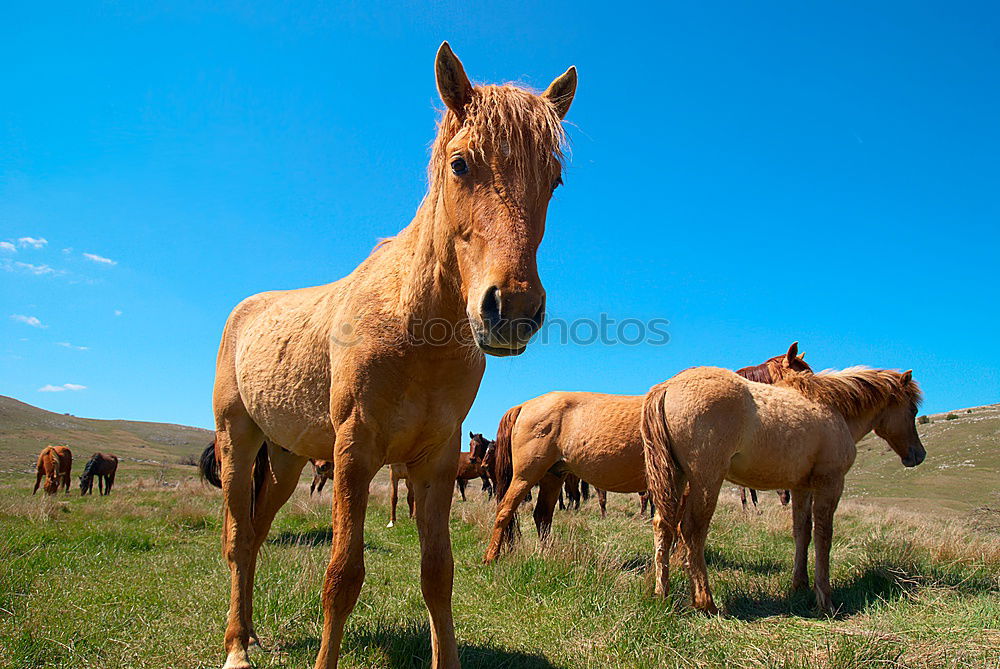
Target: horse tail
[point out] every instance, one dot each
(209, 466)
(662, 468)
(584, 490)
(505, 470)
(505, 458)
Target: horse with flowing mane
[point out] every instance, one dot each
(707, 424)
(54, 465)
(593, 435)
(355, 373)
(104, 468)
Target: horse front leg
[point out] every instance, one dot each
(355, 465)
(802, 533)
(432, 483)
(393, 497)
(824, 505)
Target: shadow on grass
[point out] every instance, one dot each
(872, 586)
(316, 537)
(761, 565)
(405, 646)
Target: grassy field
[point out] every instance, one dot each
(136, 580)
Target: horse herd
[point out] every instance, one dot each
(349, 374)
(55, 465)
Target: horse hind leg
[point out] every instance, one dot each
(238, 440)
(546, 504)
(698, 509)
(285, 468)
(802, 533)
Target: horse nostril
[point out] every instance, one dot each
(490, 308)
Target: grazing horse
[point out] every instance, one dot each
(322, 472)
(471, 465)
(592, 435)
(54, 465)
(489, 460)
(707, 424)
(397, 473)
(784, 496)
(104, 468)
(383, 365)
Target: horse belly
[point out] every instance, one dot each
(615, 466)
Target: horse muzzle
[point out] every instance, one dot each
(507, 321)
(914, 457)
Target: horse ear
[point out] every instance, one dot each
(452, 82)
(907, 376)
(561, 91)
(471, 436)
(802, 356)
(793, 352)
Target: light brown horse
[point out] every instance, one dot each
(322, 472)
(592, 435)
(707, 424)
(54, 465)
(397, 473)
(104, 467)
(383, 365)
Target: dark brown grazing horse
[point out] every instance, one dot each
(54, 465)
(489, 460)
(103, 467)
(322, 472)
(470, 464)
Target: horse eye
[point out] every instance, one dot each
(459, 166)
(556, 184)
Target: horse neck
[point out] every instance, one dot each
(863, 423)
(422, 260)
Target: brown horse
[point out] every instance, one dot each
(707, 424)
(382, 366)
(784, 496)
(397, 473)
(489, 460)
(322, 472)
(471, 465)
(594, 436)
(54, 465)
(104, 468)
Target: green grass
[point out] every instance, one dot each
(136, 580)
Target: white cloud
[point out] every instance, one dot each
(68, 250)
(118, 312)
(37, 270)
(49, 388)
(7, 246)
(33, 242)
(28, 320)
(66, 344)
(99, 259)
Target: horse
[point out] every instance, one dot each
(383, 365)
(707, 424)
(104, 468)
(322, 472)
(784, 496)
(471, 465)
(54, 465)
(489, 460)
(397, 473)
(594, 436)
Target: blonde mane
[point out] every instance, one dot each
(854, 390)
(519, 129)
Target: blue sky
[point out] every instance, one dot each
(753, 172)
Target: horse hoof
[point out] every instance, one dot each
(390, 524)
(237, 660)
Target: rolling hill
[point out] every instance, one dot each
(961, 474)
(25, 430)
